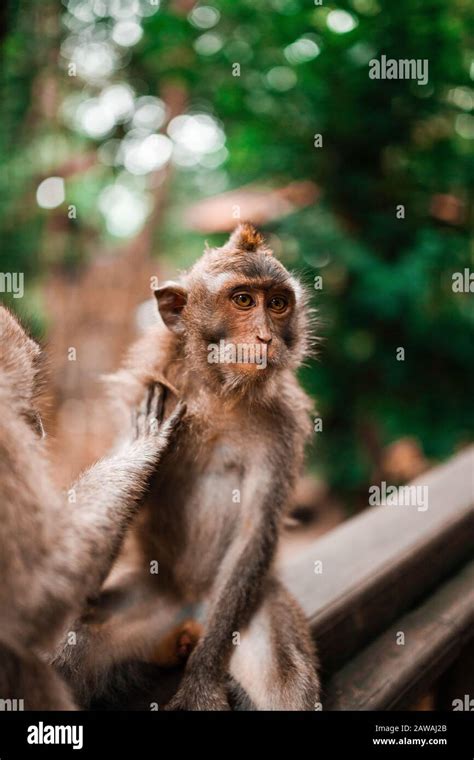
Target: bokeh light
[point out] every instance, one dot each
(195, 136)
(125, 210)
(304, 49)
(51, 192)
(204, 17)
(341, 22)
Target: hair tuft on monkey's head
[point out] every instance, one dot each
(245, 238)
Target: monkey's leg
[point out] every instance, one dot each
(27, 683)
(275, 663)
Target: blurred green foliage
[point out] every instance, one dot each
(17, 73)
(387, 281)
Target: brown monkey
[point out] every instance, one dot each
(233, 332)
(54, 555)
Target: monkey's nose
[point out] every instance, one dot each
(265, 338)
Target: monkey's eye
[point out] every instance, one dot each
(278, 303)
(243, 300)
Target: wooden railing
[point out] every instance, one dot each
(390, 593)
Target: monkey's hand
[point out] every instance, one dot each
(150, 430)
(147, 418)
(199, 694)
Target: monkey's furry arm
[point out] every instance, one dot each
(106, 496)
(238, 590)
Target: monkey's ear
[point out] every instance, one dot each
(171, 299)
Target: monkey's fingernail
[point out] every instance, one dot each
(149, 399)
(160, 406)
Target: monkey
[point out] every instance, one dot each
(212, 517)
(54, 554)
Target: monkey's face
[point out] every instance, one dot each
(239, 314)
(248, 327)
(244, 316)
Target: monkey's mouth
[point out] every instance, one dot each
(241, 356)
(270, 361)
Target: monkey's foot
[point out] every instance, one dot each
(198, 694)
(175, 648)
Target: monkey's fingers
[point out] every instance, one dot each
(134, 422)
(155, 408)
(159, 402)
(145, 417)
(140, 415)
(149, 398)
(155, 404)
(174, 420)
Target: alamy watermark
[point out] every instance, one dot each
(463, 282)
(402, 68)
(41, 733)
(399, 496)
(12, 705)
(237, 353)
(467, 704)
(12, 282)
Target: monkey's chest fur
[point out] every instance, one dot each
(193, 512)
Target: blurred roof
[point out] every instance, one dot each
(258, 204)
